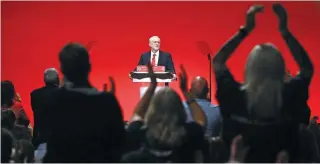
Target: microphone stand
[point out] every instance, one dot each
(210, 79)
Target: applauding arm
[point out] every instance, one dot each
(195, 109)
(225, 52)
(298, 52)
(141, 108)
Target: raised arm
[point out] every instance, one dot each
(225, 52)
(142, 106)
(112, 89)
(297, 51)
(195, 109)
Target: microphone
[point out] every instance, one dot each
(209, 56)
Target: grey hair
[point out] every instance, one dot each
(153, 38)
(264, 80)
(165, 119)
(51, 76)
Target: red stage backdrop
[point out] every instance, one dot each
(34, 32)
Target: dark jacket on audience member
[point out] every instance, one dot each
(85, 126)
(39, 100)
(266, 138)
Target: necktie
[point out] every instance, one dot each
(153, 60)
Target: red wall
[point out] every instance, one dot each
(34, 32)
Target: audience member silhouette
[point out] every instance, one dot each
(85, 125)
(265, 109)
(40, 98)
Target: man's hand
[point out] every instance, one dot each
(251, 14)
(112, 88)
(105, 87)
(174, 77)
(130, 75)
(18, 97)
(152, 75)
(113, 85)
(282, 16)
(282, 157)
(314, 120)
(238, 150)
(183, 79)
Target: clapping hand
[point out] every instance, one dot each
(282, 157)
(112, 88)
(251, 14)
(183, 79)
(282, 16)
(238, 150)
(314, 120)
(18, 97)
(152, 75)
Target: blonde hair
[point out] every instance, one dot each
(165, 119)
(264, 79)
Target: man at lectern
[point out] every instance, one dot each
(157, 57)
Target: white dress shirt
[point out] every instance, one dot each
(156, 57)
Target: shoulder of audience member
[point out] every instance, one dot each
(107, 95)
(109, 99)
(215, 107)
(36, 90)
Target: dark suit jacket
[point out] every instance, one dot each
(165, 59)
(39, 100)
(85, 126)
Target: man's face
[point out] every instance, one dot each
(154, 44)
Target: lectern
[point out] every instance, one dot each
(141, 76)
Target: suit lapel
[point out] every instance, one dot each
(160, 58)
(148, 57)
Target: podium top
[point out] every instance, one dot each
(148, 72)
(142, 75)
(143, 68)
(159, 75)
(148, 80)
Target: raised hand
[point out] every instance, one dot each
(18, 97)
(282, 157)
(238, 150)
(105, 87)
(152, 75)
(251, 14)
(282, 16)
(314, 119)
(112, 86)
(183, 79)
